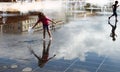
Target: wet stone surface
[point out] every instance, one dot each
(82, 45)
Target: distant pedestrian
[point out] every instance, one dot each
(45, 21)
(114, 8)
(113, 34)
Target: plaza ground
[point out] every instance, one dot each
(82, 45)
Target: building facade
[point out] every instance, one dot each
(7, 0)
(21, 26)
(19, 23)
(17, 0)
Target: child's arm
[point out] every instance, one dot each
(52, 21)
(51, 57)
(35, 55)
(35, 24)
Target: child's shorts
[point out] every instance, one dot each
(46, 27)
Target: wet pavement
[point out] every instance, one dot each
(82, 45)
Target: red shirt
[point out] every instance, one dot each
(45, 21)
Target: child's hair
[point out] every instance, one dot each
(116, 2)
(41, 15)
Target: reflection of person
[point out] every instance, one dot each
(113, 30)
(45, 22)
(45, 54)
(114, 7)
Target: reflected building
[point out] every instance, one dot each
(14, 21)
(1, 24)
(17, 0)
(20, 24)
(9, 0)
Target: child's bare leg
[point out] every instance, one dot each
(49, 33)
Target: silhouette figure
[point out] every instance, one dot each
(42, 60)
(114, 8)
(113, 34)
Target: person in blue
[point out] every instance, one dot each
(114, 7)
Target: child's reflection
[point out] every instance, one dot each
(113, 34)
(45, 54)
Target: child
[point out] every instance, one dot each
(114, 7)
(45, 21)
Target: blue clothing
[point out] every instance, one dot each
(46, 27)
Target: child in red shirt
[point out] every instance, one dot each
(45, 21)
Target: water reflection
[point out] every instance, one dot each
(74, 40)
(113, 34)
(4, 17)
(42, 60)
(81, 38)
